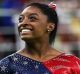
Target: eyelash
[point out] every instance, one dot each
(32, 18)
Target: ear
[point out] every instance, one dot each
(50, 27)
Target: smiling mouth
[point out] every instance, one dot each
(25, 31)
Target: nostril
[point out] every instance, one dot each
(24, 25)
(21, 26)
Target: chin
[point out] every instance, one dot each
(27, 39)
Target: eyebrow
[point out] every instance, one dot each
(30, 14)
(34, 14)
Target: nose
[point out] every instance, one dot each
(22, 26)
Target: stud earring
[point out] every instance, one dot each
(48, 30)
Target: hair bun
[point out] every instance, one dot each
(52, 5)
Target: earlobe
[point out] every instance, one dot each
(51, 27)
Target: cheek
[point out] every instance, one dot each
(40, 28)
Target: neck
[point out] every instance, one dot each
(38, 48)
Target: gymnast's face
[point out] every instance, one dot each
(32, 23)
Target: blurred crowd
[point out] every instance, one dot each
(68, 34)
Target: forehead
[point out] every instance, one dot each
(32, 9)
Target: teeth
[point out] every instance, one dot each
(25, 30)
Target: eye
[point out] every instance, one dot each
(21, 18)
(32, 18)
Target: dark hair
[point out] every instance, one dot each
(52, 17)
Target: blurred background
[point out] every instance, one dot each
(68, 34)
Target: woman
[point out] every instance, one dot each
(37, 27)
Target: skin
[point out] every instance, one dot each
(37, 39)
